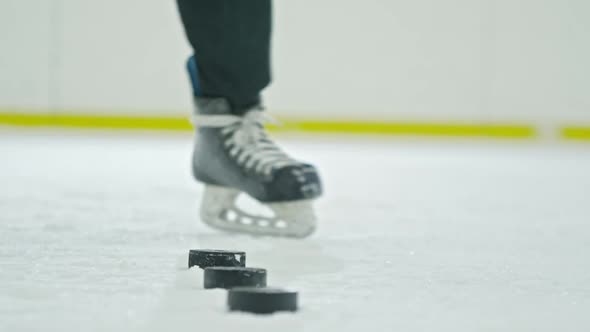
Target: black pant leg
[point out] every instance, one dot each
(231, 41)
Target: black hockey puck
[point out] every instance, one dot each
(228, 277)
(261, 300)
(208, 258)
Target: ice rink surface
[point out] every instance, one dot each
(95, 229)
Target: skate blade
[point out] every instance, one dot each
(291, 219)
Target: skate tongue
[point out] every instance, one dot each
(224, 120)
(214, 121)
(249, 130)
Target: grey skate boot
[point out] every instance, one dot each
(234, 155)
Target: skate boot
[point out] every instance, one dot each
(234, 155)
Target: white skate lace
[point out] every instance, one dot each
(247, 141)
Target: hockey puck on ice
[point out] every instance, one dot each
(208, 258)
(228, 277)
(261, 300)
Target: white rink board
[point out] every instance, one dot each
(95, 231)
(428, 60)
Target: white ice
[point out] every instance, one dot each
(95, 229)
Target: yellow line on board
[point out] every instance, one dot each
(575, 133)
(95, 121)
(418, 129)
(516, 131)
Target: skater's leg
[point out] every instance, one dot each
(233, 154)
(231, 41)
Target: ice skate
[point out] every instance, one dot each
(233, 155)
